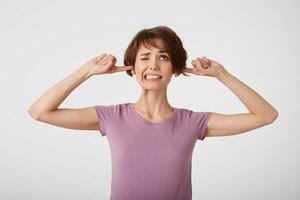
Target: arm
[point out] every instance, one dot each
(52, 98)
(260, 113)
(45, 108)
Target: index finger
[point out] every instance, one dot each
(98, 58)
(122, 68)
(188, 70)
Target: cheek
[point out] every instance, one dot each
(139, 76)
(169, 71)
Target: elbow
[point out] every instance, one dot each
(33, 114)
(272, 117)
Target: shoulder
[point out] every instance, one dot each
(113, 108)
(185, 111)
(193, 114)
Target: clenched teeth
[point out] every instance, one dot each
(152, 77)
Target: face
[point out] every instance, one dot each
(152, 60)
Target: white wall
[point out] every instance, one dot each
(43, 42)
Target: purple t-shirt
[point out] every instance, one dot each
(151, 161)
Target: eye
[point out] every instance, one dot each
(166, 57)
(163, 56)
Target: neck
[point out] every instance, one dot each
(153, 102)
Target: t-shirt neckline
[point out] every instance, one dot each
(153, 124)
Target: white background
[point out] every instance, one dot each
(44, 41)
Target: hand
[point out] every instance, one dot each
(104, 64)
(205, 67)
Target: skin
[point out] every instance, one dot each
(153, 104)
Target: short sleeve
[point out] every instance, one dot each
(105, 114)
(201, 120)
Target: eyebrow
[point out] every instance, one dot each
(160, 51)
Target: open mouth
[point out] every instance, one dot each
(152, 77)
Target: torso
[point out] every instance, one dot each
(154, 119)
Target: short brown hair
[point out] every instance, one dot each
(172, 42)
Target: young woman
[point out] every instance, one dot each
(151, 141)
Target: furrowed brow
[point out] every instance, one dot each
(160, 51)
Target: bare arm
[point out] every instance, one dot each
(45, 108)
(52, 98)
(260, 113)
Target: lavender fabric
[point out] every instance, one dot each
(151, 161)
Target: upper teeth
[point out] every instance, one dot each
(151, 76)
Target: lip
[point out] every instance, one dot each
(153, 74)
(144, 77)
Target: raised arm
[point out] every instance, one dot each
(45, 108)
(260, 113)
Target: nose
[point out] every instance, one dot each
(153, 65)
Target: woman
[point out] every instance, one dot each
(151, 142)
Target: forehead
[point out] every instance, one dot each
(154, 43)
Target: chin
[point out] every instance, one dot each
(153, 87)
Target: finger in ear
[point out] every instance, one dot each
(194, 62)
(207, 60)
(204, 64)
